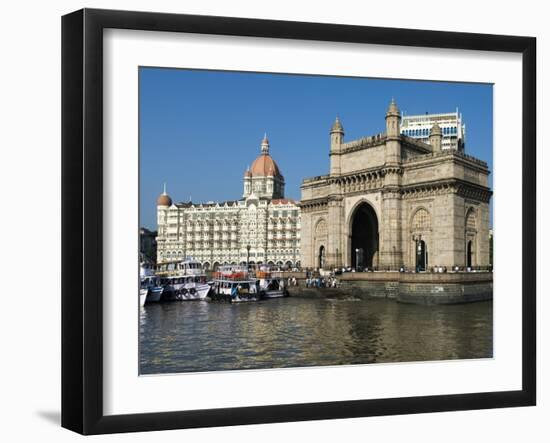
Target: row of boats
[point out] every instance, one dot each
(186, 280)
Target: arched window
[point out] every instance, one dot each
(421, 220)
(321, 229)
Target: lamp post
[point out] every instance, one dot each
(247, 257)
(356, 258)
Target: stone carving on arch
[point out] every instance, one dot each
(420, 220)
(321, 229)
(420, 227)
(320, 238)
(470, 221)
(470, 237)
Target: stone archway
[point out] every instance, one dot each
(364, 236)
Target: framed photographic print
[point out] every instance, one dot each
(269, 221)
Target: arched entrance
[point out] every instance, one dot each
(422, 256)
(364, 236)
(320, 240)
(471, 236)
(469, 254)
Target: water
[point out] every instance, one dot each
(293, 332)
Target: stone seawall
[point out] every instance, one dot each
(422, 288)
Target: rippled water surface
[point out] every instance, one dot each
(291, 332)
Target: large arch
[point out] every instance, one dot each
(364, 236)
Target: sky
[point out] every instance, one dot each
(200, 130)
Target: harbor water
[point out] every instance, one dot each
(297, 332)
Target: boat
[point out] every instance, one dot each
(234, 284)
(183, 280)
(150, 289)
(270, 284)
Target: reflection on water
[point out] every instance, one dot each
(292, 332)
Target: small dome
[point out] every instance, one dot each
(164, 200)
(337, 126)
(435, 130)
(393, 109)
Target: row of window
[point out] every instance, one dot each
(425, 132)
(252, 253)
(173, 221)
(251, 226)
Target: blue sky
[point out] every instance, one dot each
(199, 130)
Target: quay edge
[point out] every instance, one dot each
(416, 288)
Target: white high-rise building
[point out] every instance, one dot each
(451, 124)
(262, 227)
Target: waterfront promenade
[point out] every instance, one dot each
(407, 287)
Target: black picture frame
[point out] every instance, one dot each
(82, 218)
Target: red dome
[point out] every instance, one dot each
(164, 200)
(265, 166)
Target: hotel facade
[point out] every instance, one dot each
(263, 227)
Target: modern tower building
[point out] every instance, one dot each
(451, 124)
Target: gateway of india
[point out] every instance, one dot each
(392, 201)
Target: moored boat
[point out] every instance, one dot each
(183, 280)
(234, 284)
(150, 289)
(270, 284)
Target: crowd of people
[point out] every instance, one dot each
(321, 282)
(291, 281)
